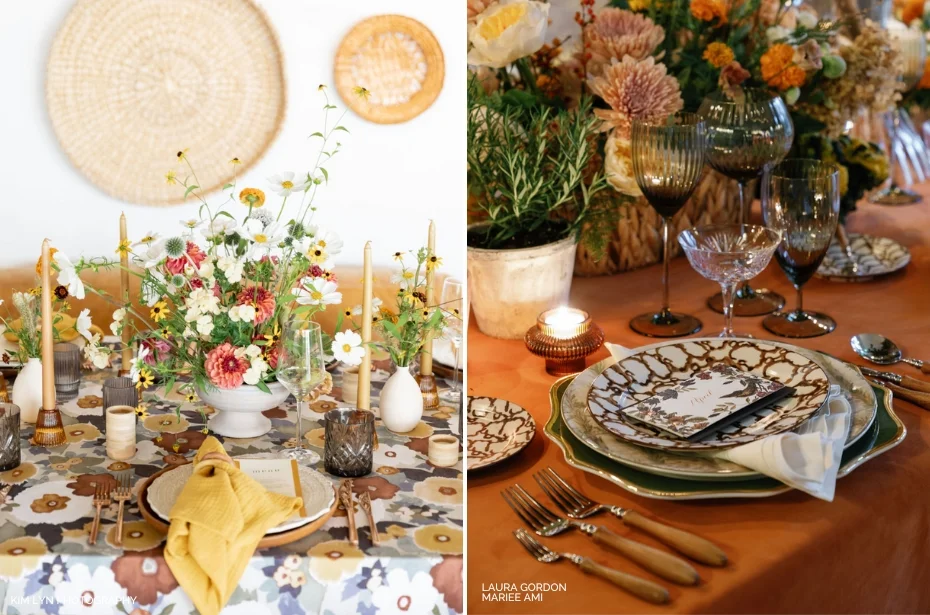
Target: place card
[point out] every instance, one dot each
(708, 401)
(277, 475)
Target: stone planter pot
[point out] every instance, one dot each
(507, 289)
(239, 410)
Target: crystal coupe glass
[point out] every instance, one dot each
(801, 199)
(668, 163)
(746, 134)
(729, 254)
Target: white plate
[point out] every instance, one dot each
(317, 491)
(497, 430)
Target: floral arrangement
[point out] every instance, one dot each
(643, 59)
(916, 14)
(404, 328)
(213, 293)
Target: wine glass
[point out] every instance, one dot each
(801, 199)
(729, 254)
(453, 302)
(301, 367)
(746, 134)
(668, 160)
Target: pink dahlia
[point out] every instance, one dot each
(261, 299)
(224, 367)
(194, 256)
(617, 33)
(635, 89)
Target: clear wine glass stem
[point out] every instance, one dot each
(745, 291)
(727, 291)
(665, 259)
(300, 431)
(455, 370)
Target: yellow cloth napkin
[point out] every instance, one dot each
(217, 522)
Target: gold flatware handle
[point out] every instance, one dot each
(658, 562)
(697, 548)
(119, 524)
(915, 384)
(95, 527)
(915, 397)
(641, 588)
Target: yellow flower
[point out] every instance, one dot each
(36, 290)
(361, 92)
(51, 254)
(426, 314)
(708, 10)
(398, 256)
(433, 262)
(252, 197)
(274, 336)
(638, 5)
(718, 54)
(235, 161)
(320, 88)
(439, 538)
(191, 398)
(142, 412)
(159, 311)
(334, 560)
(20, 554)
(170, 178)
(146, 379)
(123, 247)
(347, 313)
(182, 155)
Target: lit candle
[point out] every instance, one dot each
(426, 356)
(564, 322)
(124, 291)
(364, 370)
(48, 362)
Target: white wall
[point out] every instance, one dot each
(385, 184)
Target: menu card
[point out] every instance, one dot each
(277, 475)
(706, 402)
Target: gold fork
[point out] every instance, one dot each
(121, 494)
(345, 496)
(101, 499)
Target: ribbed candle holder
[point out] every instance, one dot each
(564, 342)
(429, 390)
(49, 429)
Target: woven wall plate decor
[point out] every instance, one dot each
(399, 62)
(129, 84)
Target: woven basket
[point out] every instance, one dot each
(637, 240)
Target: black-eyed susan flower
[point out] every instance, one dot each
(235, 162)
(182, 154)
(124, 247)
(361, 92)
(170, 178)
(159, 311)
(146, 379)
(433, 262)
(142, 412)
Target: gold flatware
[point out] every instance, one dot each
(577, 506)
(101, 499)
(5, 493)
(641, 588)
(364, 501)
(121, 494)
(546, 523)
(345, 496)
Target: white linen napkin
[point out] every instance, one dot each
(807, 459)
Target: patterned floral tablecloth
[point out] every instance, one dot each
(46, 565)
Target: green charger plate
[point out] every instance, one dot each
(885, 433)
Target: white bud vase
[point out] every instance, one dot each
(401, 402)
(27, 390)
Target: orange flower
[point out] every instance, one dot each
(779, 69)
(708, 10)
(718, 54)
(913, 10)
(252, 197)
(925, 80)
(51, 254)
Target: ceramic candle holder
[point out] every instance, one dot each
(443, 451)
(121, 432)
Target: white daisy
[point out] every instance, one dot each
(326, 239)
(219, 228)
(67, 276)
(405, 278)
(347, 347)
(191, 223)
(82, 325)
(375, 304)
(286, 183)
(264, 240)
(317, 291)
(147, 239)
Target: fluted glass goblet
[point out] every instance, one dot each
(729, 254)
(801, 199)
(745, 134)
(668, 162)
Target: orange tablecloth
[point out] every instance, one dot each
(866, 552)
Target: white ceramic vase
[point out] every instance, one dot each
(401, 403)
(239, 410)
(508, 289)
(27, 390)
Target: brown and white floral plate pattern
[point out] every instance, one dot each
(497, 430)
(648, 372)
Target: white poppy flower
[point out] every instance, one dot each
(317, 291)
(285, 183)
(205, 325)
(347, 347)
(244, 313)
(232, 267)
(507, 32)
(67, 276)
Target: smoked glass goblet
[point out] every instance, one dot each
(745, 134)
(668, 162)
(801, 199)
(729, 254)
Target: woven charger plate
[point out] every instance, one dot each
(399, 62)
(270, 540)
(129, 84)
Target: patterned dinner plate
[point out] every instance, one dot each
(874, 257)
(582, 425)
(316, 489)
(497, 430)
(651, 371)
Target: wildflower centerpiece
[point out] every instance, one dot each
(214, 293)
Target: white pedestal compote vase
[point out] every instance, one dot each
(239, 410)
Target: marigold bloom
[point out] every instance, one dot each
(708, 10)
(718, 54)
(779, 69)
(252, 197)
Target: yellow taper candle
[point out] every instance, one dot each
(426, 356)
(364, 370)
(124, 291)
(48, 354)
